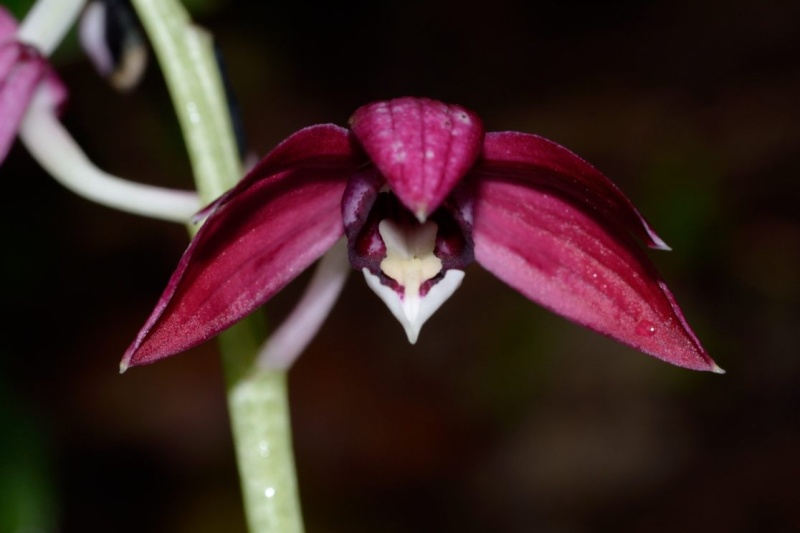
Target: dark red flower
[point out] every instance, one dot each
(420, 191)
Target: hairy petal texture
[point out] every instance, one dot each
(547, 165)
(573, 263)
(247, 250)
(422, 147)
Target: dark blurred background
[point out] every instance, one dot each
(503, 417)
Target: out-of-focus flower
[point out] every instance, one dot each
(30, 97)
(24, 73)
(420, 191)
(113, 39)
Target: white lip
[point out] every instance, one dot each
(413, 310)
(410, 262)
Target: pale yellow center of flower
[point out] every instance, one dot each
(409, 254)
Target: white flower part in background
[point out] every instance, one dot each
(59, 154)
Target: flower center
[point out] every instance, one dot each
(413, 267)
(409, 254)
(419, 285)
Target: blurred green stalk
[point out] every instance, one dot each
(27, 494)
(257, 398)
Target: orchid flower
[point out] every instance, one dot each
(30, 97)
(420, 191)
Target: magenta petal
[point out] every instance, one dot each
(422, 147)
(21, 71)
(248, 249)
(8, 25)
(548, 165)
(567, 261)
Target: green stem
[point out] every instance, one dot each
(257, 398)
(186, 55)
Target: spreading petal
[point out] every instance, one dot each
(549, 166)
(263, 236)
(571, 261)
(324, 146)
(422, 147)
